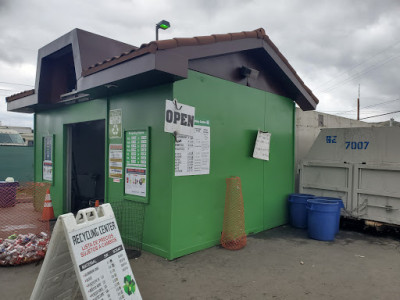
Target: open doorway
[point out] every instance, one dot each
(85, 164)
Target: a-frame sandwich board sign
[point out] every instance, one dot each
(86, 259)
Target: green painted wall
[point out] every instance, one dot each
(185, 214)
(140, 110)
(236, 113)
(16, 162)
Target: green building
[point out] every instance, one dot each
(100, 130)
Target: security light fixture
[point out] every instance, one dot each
(163, 25)
(248, 72)
(74, 97)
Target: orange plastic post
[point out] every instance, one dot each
(48, 212)
(233, 232)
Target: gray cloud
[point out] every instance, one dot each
(323, 40)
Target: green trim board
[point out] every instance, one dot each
(136, 168)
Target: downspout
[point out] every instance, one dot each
(34, 148)
(106, 183)
(107, 154)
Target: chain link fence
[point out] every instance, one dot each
(24, 236)
(130, 220)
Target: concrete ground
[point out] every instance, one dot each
(282, 263)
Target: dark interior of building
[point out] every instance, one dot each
(87, 164)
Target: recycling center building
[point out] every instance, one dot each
(162, 126)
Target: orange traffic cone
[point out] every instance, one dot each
(48, 212)
(97, 203)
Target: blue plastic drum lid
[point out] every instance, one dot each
(322, 205)
(300, 198)
(338, 200)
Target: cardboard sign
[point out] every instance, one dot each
(179, 118)
(261, 149)
(86, 258)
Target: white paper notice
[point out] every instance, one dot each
(48, 170)
(192, 153)
(261, 149)
(115, 161)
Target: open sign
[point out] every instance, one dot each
(179, 118)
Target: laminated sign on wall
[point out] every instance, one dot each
(192, 153)
(48, 149)
(86, 258)
(136, 163)
(261, 149)
(115, 161)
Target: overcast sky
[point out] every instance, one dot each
(335, 46)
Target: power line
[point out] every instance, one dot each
(373, 105)
(359, 64)
(389, 113)
(13, 83)
(340, 112)
(359, 74)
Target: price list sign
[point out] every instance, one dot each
(48, 142)
(103, 266)
(136, 162)
(192, 153)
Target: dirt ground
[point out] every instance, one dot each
(282, 263)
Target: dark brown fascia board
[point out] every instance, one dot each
(188, 52)
(215, 49)
(291, 76)
(20, 95)
(175, 61)
(70, 38)
(165, 62)
(24, 104)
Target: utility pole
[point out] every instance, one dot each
(358, 104)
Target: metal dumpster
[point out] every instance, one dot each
(359, 165)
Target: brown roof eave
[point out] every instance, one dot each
(20, 95)
(118, 60)
(287, 68)
(214, 44)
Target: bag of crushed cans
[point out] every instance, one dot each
(23, 248)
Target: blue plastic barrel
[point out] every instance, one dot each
(298, 210)
(341, 205)
(322, 219)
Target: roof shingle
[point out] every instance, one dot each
(20, 95)
(160, 45)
